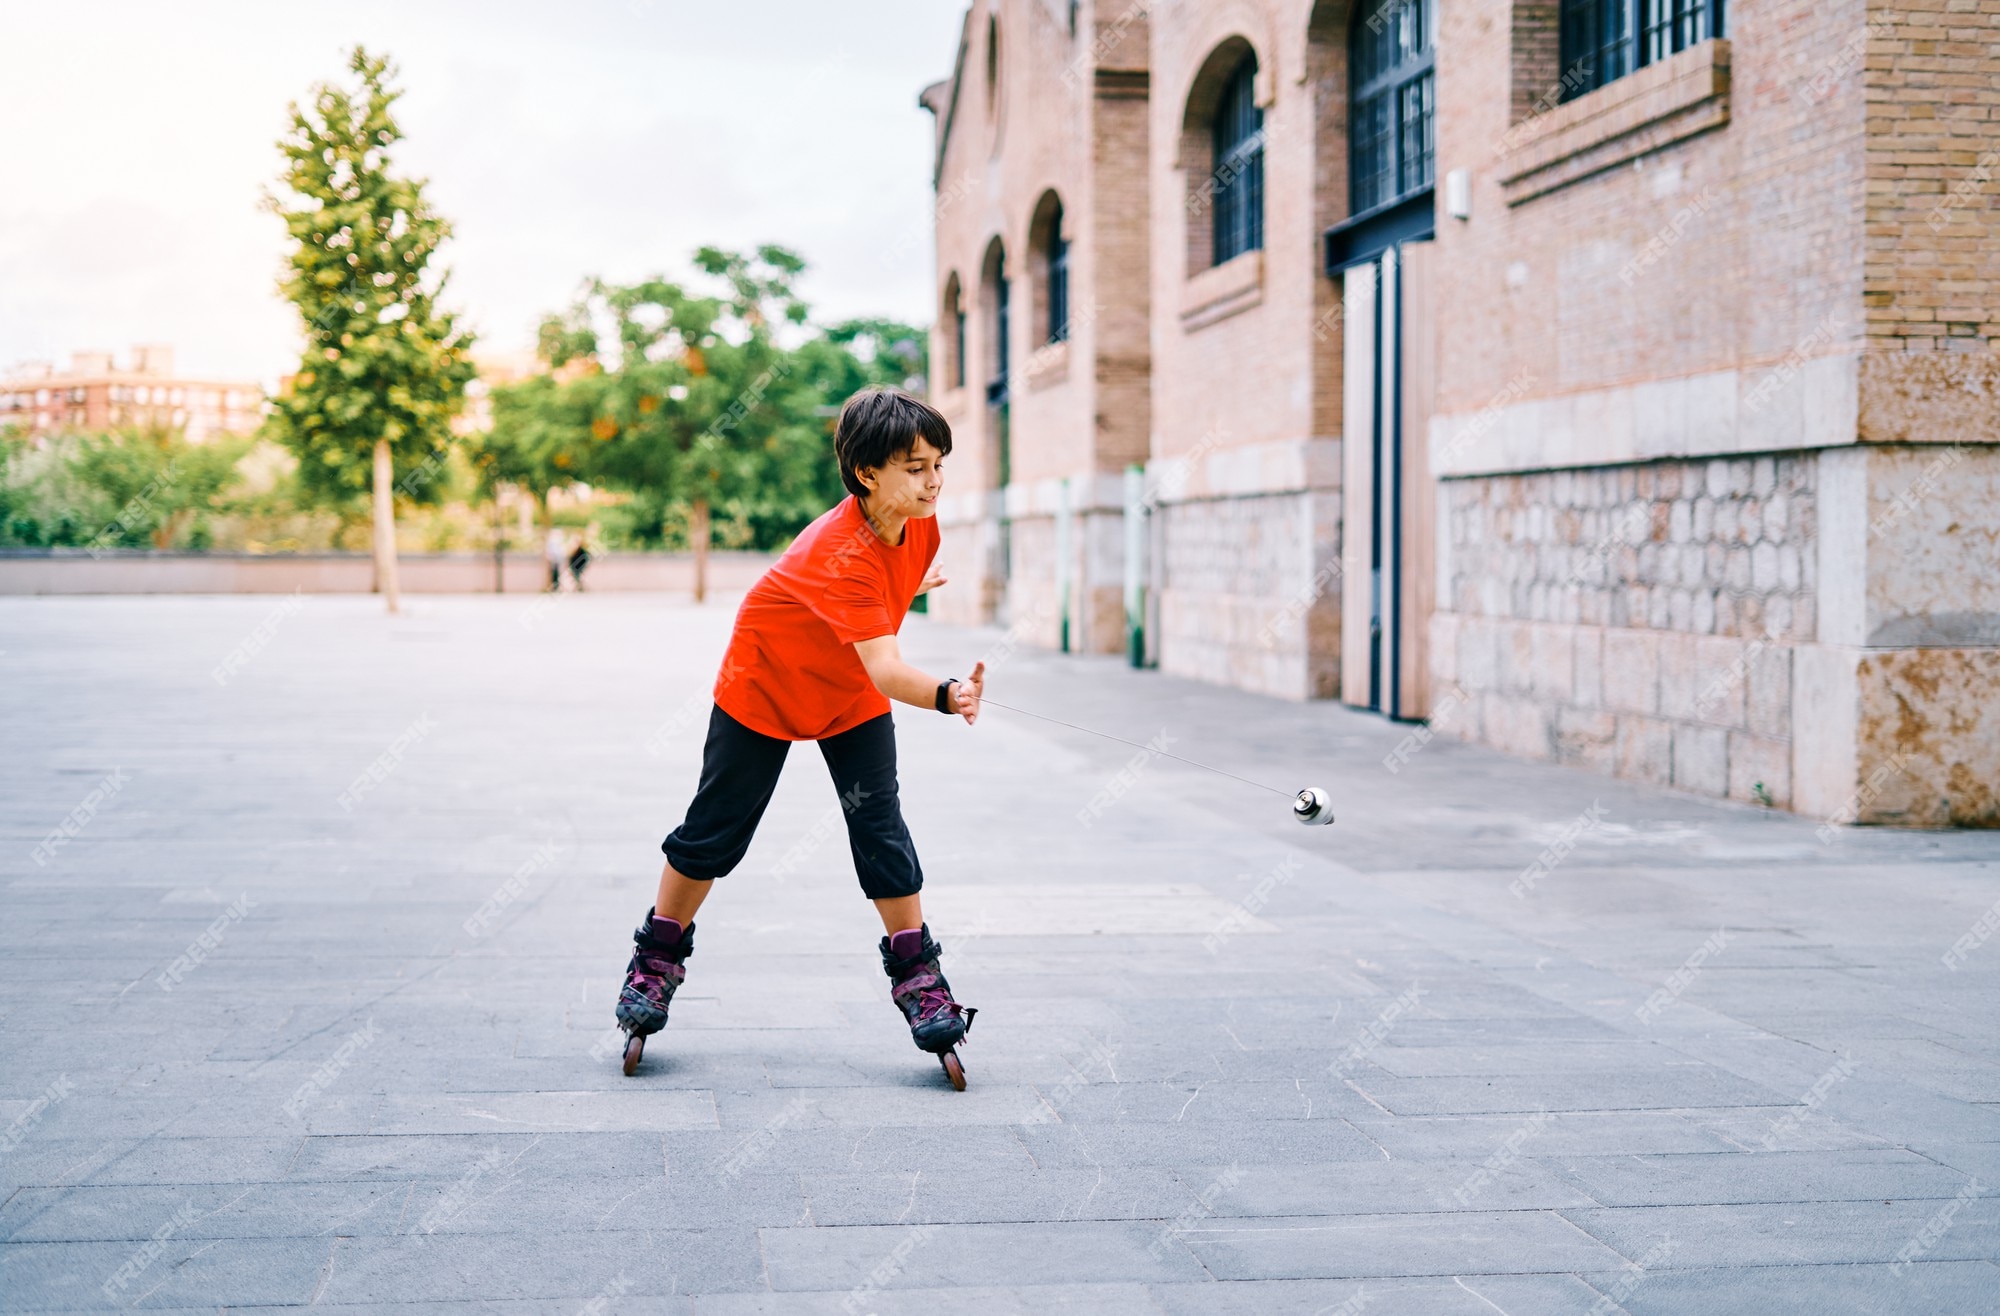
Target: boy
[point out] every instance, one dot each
(814, 657)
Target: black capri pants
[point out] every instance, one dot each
(739, 770)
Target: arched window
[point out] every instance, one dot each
(992, 64)
(1603, 40)
(1391, 126)
(1238, 165)
(952, 323)
(1049, 267)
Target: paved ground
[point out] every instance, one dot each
(272, 1032)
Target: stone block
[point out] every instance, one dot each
(1478, 653)
(1517, 725)
(1756, 761)
(1927, 739)
(1721, 675)
(1678, 683)
(1552, 658)
(1701, 759)
(1587, 739)
(1631, 671)
(1645, 749)
(1768, 692)
(1587, 672)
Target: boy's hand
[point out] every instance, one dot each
(932, 579)
(966, 694)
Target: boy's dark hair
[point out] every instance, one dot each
(879, 425)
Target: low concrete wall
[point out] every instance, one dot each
(75, 571)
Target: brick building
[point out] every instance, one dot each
(95, 394)
(1611, 381)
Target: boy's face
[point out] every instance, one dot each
(909, 483)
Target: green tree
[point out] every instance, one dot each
(122, 489)
(384, 368)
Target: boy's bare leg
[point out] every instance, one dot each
(900, 913)
(679, 896)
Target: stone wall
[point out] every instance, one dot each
(1636, 620)
(1249, 592)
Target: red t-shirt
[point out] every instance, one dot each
(791, 670)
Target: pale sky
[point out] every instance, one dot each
(606, 137)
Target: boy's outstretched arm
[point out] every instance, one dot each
(883, 658)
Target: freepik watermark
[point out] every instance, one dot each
(200, 948)
(1811, 1100)
(510, 891)
(1667, 237)
(1965, 190)
(1977, 935)
(1373, 1035)
(1682, 978)
(620, 1285)
(693, 711)
(1047, 1108)
(1920, 490)
(1126, 778)
(1558, 850)
(148, 1252)
(1727, 681)
(452, 1204)
(1935, 1228)
(1203, 1207)
(386, 762)
(1630, 527)
(1503, 1156)
(1483, 421)
(25, 1122)
(912, 238)
(1449, 705)
(1870, 790)
(888, 1268)
(253, 644)
(79, 818)
(1109, 37)
(323, 1078)
(138, 508)
(1245, 913)
(1286, 618)
(830, 824)
(752, 1151)
(1794, 361)
(1816, 88)
(1633, 1275)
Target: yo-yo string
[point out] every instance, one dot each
(1150, 749)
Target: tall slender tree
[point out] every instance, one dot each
(384, 367)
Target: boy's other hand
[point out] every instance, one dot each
(966, 694)
(932, 579)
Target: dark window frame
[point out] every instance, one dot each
(1058, 326)
(1237, 159)
(1602, 41)
(1392, 116)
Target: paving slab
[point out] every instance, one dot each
(270, 1039)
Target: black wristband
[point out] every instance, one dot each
(944, 694)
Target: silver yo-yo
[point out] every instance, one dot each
(1313, 807)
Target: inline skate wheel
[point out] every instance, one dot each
(635, 1047)
(953, 1070)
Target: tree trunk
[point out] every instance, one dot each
(698, 538)
(499, 546)
(385, 526)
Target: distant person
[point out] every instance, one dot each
(579, 558)
(556, 550)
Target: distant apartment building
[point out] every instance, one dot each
(96, 394)
(1614, 384)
